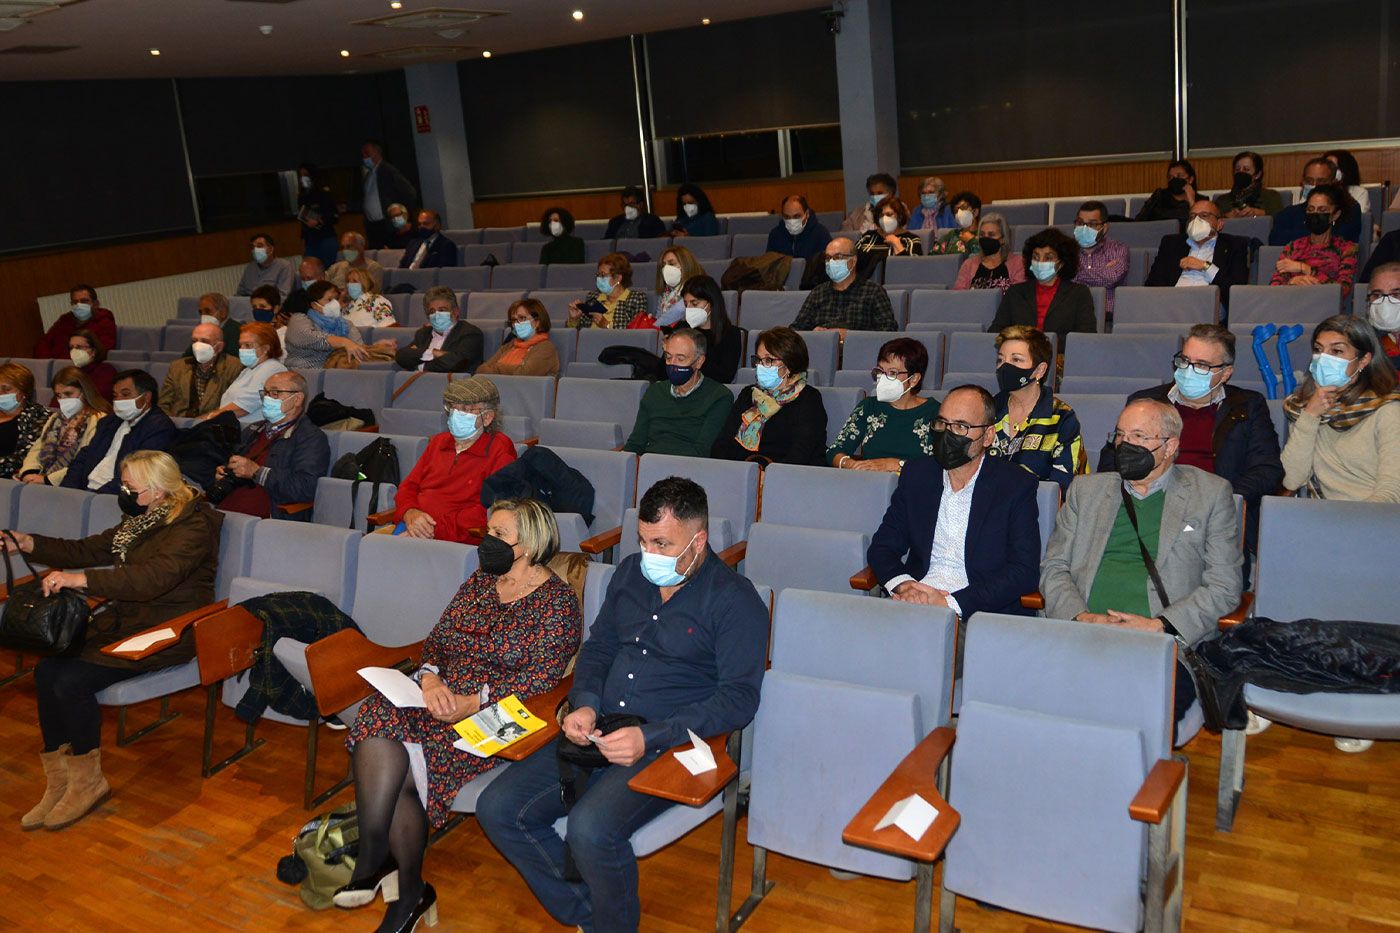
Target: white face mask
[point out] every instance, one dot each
(964, 218)
(202, 352)
(1198, 230)
(208, 319)
(70, 407)
(671, 275)
(1385, 314)
(630, 212)
(331, 308)
(696, 316)
(888, 389)
(125, 409)
(889, 224)
(691, 209)
(556, 228)
(79, 357)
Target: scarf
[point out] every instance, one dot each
(1248, 196)
(335, 326)
(134, 526)
(764, 407)
(59, 443)
(1342, 417)
(514, 354)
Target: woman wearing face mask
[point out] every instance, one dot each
(878, 187)
(704, 309)
(993, 265)
(1174, 201)
(528, 351)
(1321, 256)
(932, 212)
(891, 237)
(893, 424)
(88, 354)
(613, 293)
(511, 629)
(1247, 196)
(1034, 429)
(260, 352)
(367, 307)
(1052, 302)
(317, 215)
(694, 214)
(777, 420)
(266, 304)
(967, 212)
(1348, 174)
(561, 246)
(312, 336)
(21, 418)
(157, 563)
(678, 266)
(67, 430)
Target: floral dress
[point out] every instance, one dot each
(371, 311)
(877, 429)
(521, 647)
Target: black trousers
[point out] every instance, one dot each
(1185, 695)
(68, 708)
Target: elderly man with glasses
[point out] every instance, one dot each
(279, 459)
(1202, 255)
(845, 301)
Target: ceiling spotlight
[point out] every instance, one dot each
(578, 16)
(705, 21)
(155, 51)
(486, 53)
(344, 53)
(265, 30)
(396, 5)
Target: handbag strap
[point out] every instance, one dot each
(9, 573)
(1146, 557)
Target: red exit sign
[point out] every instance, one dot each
(422, 119)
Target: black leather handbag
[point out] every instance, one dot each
(50, 626)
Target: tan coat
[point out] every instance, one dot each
(175, 395)
(31, 459)
(540, 360)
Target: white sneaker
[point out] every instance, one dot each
(1256, 724)
(1352, 746)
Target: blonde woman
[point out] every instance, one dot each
(677, 266)
(157, 563)
(366, 307)
(68, 430)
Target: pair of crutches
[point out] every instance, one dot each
(1263, 333)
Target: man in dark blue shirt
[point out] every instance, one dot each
(1289, 223)
(798, 233)
(681, 642)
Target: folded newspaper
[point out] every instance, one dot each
(503, 723)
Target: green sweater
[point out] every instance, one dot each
(563, 250)
(877, 429)
(686, 426)
(1122, 582)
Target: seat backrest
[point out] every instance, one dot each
(359, 388)
(502, 234)
(938, 306)
(420, 279)
(1064, 210)
(1141, 234)
(235, 550)
(1100, 385)
(971, 352)
(861, 350)
(103, 512)
(1019, 213)
(465, 278)
(133, 337)
(410, 422)
(730, 486)
(471, 252)
(577, 278)
(305, 556)
(760, 310)
(408, 447)
(1047, 500)
(594, 340)
(1138, 305)
(528, 396)
(333, 504)
(749, 225)
(1119, 354)
(782, 556)
(850, 500)
(707, 249)
(1268, 304)
(1098, 416)
(518, 275)
(613, 474)
(749, 244)
(1251, 228)
(916, 271)
(613, 400)
(403, 585)
(424, 394)
(839, 402)
(595, 587)
(488, 309)
(52, 510)
(9, 497)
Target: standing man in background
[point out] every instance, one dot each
(384, 185)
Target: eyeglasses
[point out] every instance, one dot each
(277, 393)
(764, 361)
(472, 409)
(677, 359)
(1203, 215)
(1205, 369)
(842, 256)
(877, 372)
(134, 492)
(1324, 211)
(959, 428)
(1393, 294)
(1133, 437)
(1091, 224)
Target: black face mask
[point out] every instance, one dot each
(1135, 461)
(1010, 378)
(263, 314)
(1176, 185)
(989, 245)
(128, 504)
(1318, 223)
(1243, 180)
(950, 450)
(495, 555)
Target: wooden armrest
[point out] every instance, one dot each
(916, 774)
(295, 508)
(601, 542)
(1239, 613)
(1154, 797)
(531, 441)
(542, 707)
(375, 519)
(404, 388)
(176, 625)
(368, 429)
(1033, 601)
(668, 779)
(335, 660)
(864, 580)
(226, 643)
(734, 553)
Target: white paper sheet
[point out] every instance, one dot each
(142, 642)
(698, 758)
(396, 686)
(914, 815)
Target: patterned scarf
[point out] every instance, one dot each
(60, 441)
(764, 407)
(1346, 416)
(335, 326)
(134, 526)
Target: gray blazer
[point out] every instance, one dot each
(1198, 552)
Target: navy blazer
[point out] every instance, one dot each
(1002, 549)
(1231, 258)
(441, 252)
(296, 460)
(155, 431)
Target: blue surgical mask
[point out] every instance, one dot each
(1043, 271)
(271, 409)
(875, 199)
(461, 424)
(399, 222)
(767, 377)
(929, 201)
(604, 283)
(523, 330)
(1328, 371)
(661, 570)
(9, 402)
(248, 357)
(1086, 237)
(1303, 195)
(356, 290)
(82, 311)
(441, 321)
(368, 163)
(1191, 384)
(349, 255)
(259, 254)
(837, 269)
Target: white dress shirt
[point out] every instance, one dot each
(106, 468)
(244, 390)
(373, 209)
(434, 344)
(1197, 277)
(947, 567)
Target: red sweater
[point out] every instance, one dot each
(1197, 435)
(54, 344)
(447, 485)
(1044, 294)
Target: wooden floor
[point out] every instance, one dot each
(1315, 847)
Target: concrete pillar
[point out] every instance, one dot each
(865, 89)
(443, 170)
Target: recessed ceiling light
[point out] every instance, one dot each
(155, 51)
(486, 53)
(396, 5)
(344, 53)
(705, 21)
(578, 15)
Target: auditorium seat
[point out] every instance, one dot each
(594, 413)
(388, 258)
(839, 402)
(760, 310)
(1018, 213)
(333, 504)
(460, 279)
(594, 250)
(470, 236)
(1272, 304)
(412, 422)
(54, 511)
(1138, 308)
(176, 337)
(976, 306)
(594, 340)
(823, 346)
(519, 276)
(1133, 355)
(488, 309)
(849, 500)
(731, 487)
(1106, 385)
(613, 476)
(784, 556)
(420, 279)
(917, 271)
(9, 498)
(1251, 228)
(423, 392)
(1143, 234)
(860, 352)
(408, 447)
(502, 234)
(1262, 271)
(402, 336)
(755, 225)
(1064, 210)
(707, 249)
(749, 244)
(1098, 415)
(577, 278)
(590, 229)
(475, 254)
(132, 337)
(639, 246)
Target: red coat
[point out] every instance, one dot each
(447, 485)
(54, 344)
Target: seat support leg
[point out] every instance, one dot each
(725, 887)
(20, 670)
(457, 819)
(923, 897)
(1166, 851)
(310, 799)
(1231, 778)
(759, 886)
(124, 738)
(947, 908)
(208, 767)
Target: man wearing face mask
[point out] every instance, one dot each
(264, 268)
(84, 313)
(213, 309)
(385, 187)
(279, 458)
(1247, 196)
(445, 344)
(635, 221)
(401, 229)
(194, 384)
(1154, 547)
(139, 425)
(1103, 262)
(1225, 430)
(845, 301)
(352, 256)
(679, 644)
(684, 413)
(1202, 255)
(961, 529)
(798, 233)
(879, 186)
(441, 497)
(1291, 223)
(933, 211)
(309, 272)
(1383, 308)
(430, 250)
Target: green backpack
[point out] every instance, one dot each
(325, 849)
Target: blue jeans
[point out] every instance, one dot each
(518, 811)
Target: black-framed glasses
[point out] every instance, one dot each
(900, 374)
(1092, 224)
(757, 361)
(959, 428)
(134, 492)
(1393, 295)
(841, 256)
(1180, 361)
(1133, 437)
(470, 409)
(277, 393)
(1202, 215)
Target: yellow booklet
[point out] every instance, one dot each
(503, 723)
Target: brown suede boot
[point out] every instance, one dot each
(86, 789)
(56, 772)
